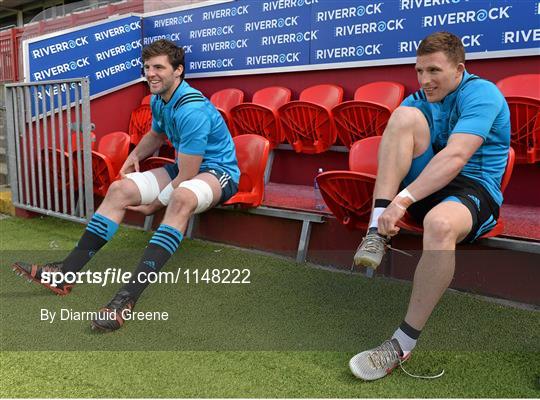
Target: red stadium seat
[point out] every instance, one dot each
(146, 99)
(348, 194)
(522, 92)
(252, 154)
(62, 158)
(226, 99)
(112, 151)
(308, 123)
(368, 114)
(525, 85)
(140, 123)
(260, 117)
(74, 141)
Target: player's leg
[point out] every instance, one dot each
(404, 151)
(191, 197)
(137, 188)
(445, 225)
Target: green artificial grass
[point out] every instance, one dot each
(288, 333)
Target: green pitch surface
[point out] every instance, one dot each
(288, 333)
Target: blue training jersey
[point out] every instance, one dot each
(476, 107)
(195, 127)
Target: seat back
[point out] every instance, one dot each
(114, 146)
(227, 98)
(103, 173)
(525, 85)
(389, 94)
(363, 155)
(74, 141)
(308, 123)
(522, 93)
(272, 97)
(252, 154)
(140, 123)
(368, 114)
(260, 116)
(325, 95)
(146, 99)
(508, 170)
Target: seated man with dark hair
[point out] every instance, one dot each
(205, 174)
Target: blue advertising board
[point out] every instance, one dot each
(235, 36)
(108, 53)
(264, 36)
(248, 36)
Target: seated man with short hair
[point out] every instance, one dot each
(205, 174)
(441, 158)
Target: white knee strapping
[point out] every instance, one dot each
(202, 191)
(147, 184)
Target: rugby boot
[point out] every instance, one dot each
(113, 315)
(33, 272)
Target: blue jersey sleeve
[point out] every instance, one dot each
(478, 107)
(194, 126)
(408, 101)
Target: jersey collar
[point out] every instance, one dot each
(450, 96)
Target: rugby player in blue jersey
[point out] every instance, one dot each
(441, 158)
(205, 174)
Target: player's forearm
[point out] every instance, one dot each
(439, 172)
(188, 167)
(148, 145)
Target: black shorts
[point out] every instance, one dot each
(228, 186)
(484, 210)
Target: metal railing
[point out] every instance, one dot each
(49, 165)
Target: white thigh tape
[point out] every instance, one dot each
(202, 191)
(165, 194)
(147, 184)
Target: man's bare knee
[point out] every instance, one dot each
(183, 202)
(123, 192)
(411, 122)
(439, 228)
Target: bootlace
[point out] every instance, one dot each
(386, 355)
(120, 301)
(373, 243)
(52, 267)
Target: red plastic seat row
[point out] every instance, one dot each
(349, 194)
(522, 93)
(312, 123)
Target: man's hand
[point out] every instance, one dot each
(130, 165)
(147, 209)
(389, 218)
